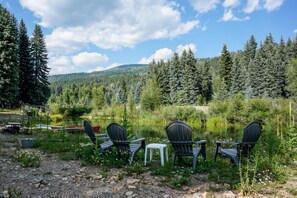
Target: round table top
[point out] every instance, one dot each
(155, 145)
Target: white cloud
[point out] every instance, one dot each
(86, 59)
(251, 6)
(230, 3)
(272, 4)
(166, 53)
(77, 63)
(204, 6)
(107, 24)
(229, 16)
(60, 65)
(181, 48)
(204, 28)
(295, 31)
(161, 54)
(108, 67)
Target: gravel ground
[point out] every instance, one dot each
(58, 178)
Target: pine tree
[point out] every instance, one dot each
(9, 65)
(226, 65)
(256, 73)
(163, 81)
(189, 81)
(175, 77)
(137, 92)
(270, 76)
(281, 66)
(249, 52)
(206, 82)
(238, 76)
(26, 68)
(41, 70)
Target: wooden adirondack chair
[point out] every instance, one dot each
(103, 140)
(118, 136)
(251, 135)
(180, 136)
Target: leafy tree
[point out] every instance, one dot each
(26, 68)
(9, 64)
(150, 97)
(292, 78)
(98, 97)
(131, 102)
(41, 70)
(226, 66)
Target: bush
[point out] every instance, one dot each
(180, 113)
(28, 158)
(148, 131)
(56, 118)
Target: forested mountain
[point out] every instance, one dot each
(258, 71)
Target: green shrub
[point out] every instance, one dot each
(28, 158)
(148, 131)
(180, 113)
(56, 118)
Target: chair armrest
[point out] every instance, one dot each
(139, 140)
(102, 135)
(103, 138)
(227, 143)
(201, 142)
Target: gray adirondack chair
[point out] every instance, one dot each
(180, 136)
(251, 135)
(103, 140)
(118, 136)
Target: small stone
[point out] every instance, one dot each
(97, 177)
(228, 194)
(200, 195)
(185, 188)
(132, 181)
(112, 182)
(166, 196)
(83, 169)
(131, 187)
(129, 193)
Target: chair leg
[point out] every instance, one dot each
(203, 151)
(194, 162)
(173, 161)
(216, 153)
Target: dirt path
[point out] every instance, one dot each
(58, 178)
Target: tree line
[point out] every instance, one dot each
(264, 72)
(23, 63)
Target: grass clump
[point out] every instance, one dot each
(28, 158)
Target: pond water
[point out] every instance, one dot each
(156, 128)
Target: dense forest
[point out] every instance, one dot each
(267, 70)
(23, 64)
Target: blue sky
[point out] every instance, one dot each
(92, 35)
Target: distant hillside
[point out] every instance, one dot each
(131, 69)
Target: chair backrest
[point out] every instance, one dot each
(251, 134)
(118, 136)
(89, 131)
(180, 136)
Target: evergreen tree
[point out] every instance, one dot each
(226, 66)
(190, 86)
(270, 86)
(131, 102)
(281, 66)
(26, 67)
(238, 76)
(137, 92)
(163, 81)
(256, 74)
(9, 65)
(175, 77)
(206, 82)
(249, 52)
(122, 93)
(41, 70)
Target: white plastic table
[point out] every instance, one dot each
(156, 146)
